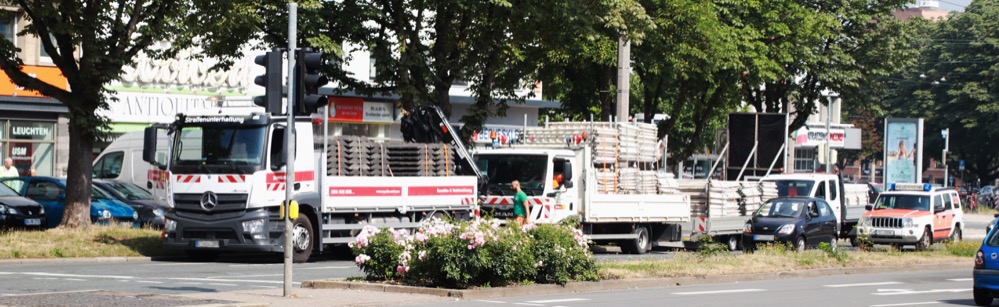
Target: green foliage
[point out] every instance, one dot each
(474, 254)
(963, 248)
(707, 247)
(837, 253)
(56, 252)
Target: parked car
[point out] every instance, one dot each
(986, 196)
(986, 271)
(800, 221)
(51, 194)
(149, 209)
(19, 212)
(992, 224)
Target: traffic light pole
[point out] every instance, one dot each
(289, 138)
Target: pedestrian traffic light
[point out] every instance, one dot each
(271, 81)
(308, 81)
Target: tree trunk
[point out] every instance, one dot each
(78, 182)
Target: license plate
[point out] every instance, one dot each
(763, 237)
(32, 222)
(206, 244)
(882, 232)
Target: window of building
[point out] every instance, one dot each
(7, 27)
(41, 49)
(804, 160)
(30, 144)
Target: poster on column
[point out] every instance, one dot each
(903, 150)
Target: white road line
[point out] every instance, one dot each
(863, 284)
(961, 279)
(74, 279)
(47, 293)
(719, 291)
(921, 292)
(77, 275)
(45, 278)
(240, 276)
(221, 284)
(559, 300)
(189, 283)
(907, 304)
(527, 304)
(262, 287)
(494, 302)
(149, 281)
(232, 280)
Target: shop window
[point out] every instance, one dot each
(7, 27)
(109, 166)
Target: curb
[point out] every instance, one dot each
(617, 284)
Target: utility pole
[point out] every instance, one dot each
(289, 138)
(946, 136)
(623, 78)
(829, 98)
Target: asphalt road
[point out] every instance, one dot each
(929, 288)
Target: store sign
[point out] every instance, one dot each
(48, 74)
(495, 136)
(806, 137)
(20, 151)
(188, 71)
(153, 108)
(356, 110)
(31, 131)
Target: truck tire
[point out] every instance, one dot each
(302, 236)
(925, 241)
(982, 297)
(733, 243)
(201, 255)
(639, 245)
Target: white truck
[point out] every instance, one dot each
(847, 200)
(604, 174)
(226, 180)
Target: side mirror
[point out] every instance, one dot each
(868, 207)
(149, 146)
(567, 174)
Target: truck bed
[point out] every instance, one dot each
(403, 194)
(607, 208)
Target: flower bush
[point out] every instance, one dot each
(474, 253)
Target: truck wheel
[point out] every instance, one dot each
(925, 241)
(201, 255)
(641, 244)
(301, 239)
(982, 297)
(733, 243)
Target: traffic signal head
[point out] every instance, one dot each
(308, 80)
(271, 81)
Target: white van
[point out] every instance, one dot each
(122, 160)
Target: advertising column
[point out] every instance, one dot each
(903, 150)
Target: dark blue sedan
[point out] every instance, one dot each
(51, 194)
(799, 221)
(149, 209)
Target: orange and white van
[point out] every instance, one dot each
(913, 214)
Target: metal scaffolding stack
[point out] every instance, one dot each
(358, 156)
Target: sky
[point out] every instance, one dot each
(954, 5)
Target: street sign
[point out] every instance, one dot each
(960, 164)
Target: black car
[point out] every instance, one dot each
(149, 209)
(20, 212)
(799, 221)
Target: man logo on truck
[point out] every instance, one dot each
(209, 200)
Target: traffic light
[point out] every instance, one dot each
(308, 81)
(271, 81)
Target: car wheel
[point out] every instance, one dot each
(833, 244)
(955, 236)
(924, 241)
(301, 239)
(799, 244)
(982, 297)
(201, 255)
(641, 244)
(733, 243)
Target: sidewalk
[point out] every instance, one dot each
(307, 297)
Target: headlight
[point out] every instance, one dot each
(106, 214)
(253, 226)
(748, 228)
(158, 212)
(42, 210)
(135, 215)
(169, 225)
(13, 211)
(786, 229)
(3, 209)
(907, 223)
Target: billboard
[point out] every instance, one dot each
(903, 150)
(756, 141)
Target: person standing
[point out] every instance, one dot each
(8, 169)
(520, 209)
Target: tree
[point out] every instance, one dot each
(89, 42)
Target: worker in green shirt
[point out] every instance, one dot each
(520, 210)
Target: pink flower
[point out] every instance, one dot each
(514, 248)
(422, 255)
(361, 259)
(402, 269)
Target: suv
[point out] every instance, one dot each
(913, 214)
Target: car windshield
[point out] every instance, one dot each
(129, 191)
(794, 187)
(985, 190)
(781, 208)
(530, 170)
(7, 191)
(907, 202)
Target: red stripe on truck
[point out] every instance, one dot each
(299, 176)
(441, 190)
(365, 191)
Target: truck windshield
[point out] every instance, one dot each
(794, 187)
(781, 208)
(219, 149)
(907, 202)
(530, 170)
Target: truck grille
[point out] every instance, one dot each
(215, 234)
(886, 222)
(226, 203)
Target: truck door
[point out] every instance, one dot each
(566, 185)
(834, 198)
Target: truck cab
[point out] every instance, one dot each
(825, 186)
(545, 175)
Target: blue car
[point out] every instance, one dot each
(986, 273)
(51, 194)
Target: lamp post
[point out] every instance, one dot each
(946, 135)
(829, 98)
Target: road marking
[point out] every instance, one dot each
(231, 280)
(47, 293)
(235, 276)
(221, 284)
(77, 275)
(906, 291)
(719, 291)
(74, 279)
(149, 281)
(45, 278)
(559, 301)
(263, 287)
(527, 304)
(961, 279)
(189, 283)
(907, 304)
(494, 302)
(863, 284)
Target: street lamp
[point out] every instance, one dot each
(946, 135)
